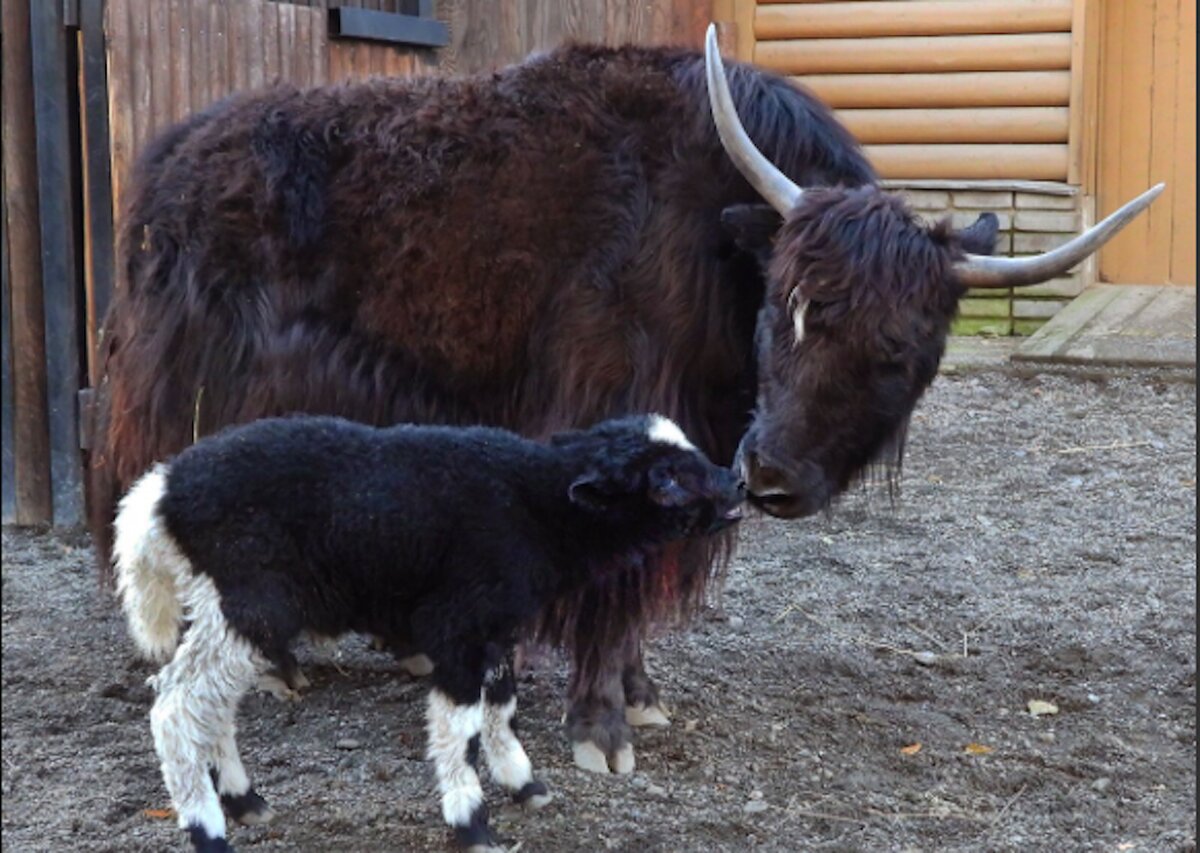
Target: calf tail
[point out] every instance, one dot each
(151, 570)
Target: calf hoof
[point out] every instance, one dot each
(202, 842)
(248, 809)
(533, 795)
(640, 716)
(591, 758)
(418, 666)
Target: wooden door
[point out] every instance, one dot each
(1146, 128)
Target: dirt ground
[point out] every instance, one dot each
(1046, 527)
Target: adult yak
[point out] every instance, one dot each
(540, 248)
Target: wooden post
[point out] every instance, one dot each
(8, 458)
(31, 435)
(55, 102)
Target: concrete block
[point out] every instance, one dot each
(1042, 201)
(1036, 309)
(983, 199)
(1035, 242)
(1068, 286)
(1062, 221)
(927, 199)
(1025, 328)
(982, 326)
(965, 218)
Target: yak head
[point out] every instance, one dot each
(859, 300)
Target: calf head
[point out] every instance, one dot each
(859, 300)
(642, 473)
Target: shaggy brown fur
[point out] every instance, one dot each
(535, 249)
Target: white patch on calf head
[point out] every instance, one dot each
(665, 431)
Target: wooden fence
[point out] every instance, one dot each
(87, 83)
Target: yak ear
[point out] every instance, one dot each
(979, 238)
(752, 227)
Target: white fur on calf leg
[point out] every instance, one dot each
(198, 694)
(454, 732)
(238, 798)
(507, 758)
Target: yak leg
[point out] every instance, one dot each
(596, 725)
(642, 705)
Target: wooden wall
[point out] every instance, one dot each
(974, 89)
(1145, 70)
(82, 97)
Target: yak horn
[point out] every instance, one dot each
(773, 185)
(987, 271)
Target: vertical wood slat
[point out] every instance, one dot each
(31, 432)
(1183, 245)
(53, 90)
(8, 448)
(99, 270)
(199, 56)
(1156, 253)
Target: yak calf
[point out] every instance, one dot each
(452, 539)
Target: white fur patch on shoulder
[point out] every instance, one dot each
(666, 431)
(801, 306)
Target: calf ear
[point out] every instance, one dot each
(752, 227)
(592, 491)
(979, 238)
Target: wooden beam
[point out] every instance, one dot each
(911, 54)
(8, 450)
(97, 176)
(31, 434)
(54, 89)
(744, 13)
(1027, 162)
(914, 18)
(1009, 124)
(962, 89)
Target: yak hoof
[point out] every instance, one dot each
(533, 796)
(418, 666)
(300, 680)
(589, 757)
(257, 818)
(647, 715)
(486, 848)
(271, 683)
(622, 760)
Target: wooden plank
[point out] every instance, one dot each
(54, 104)
(220, 38)
(286, 35)
(139, 61)
(268, 22)
(160, 68)
(1183, 243)
(253, 48)
(8, 449)
(237, 46)
(180, 47)
(1155, 254)
(962, 89)
(1132, 120)
(199, 55)
(913, 18)
(1043, 162)
(1079, 46)
(302, 69)
(744, 14)
(99, 269)
(319, 58)
(912, 54)
(118, 45)
(1009, 124)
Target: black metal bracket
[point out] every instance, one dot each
(418, 30)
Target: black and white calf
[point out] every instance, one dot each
(448, 539)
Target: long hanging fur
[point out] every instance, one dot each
(535, 249)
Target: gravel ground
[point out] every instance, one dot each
(863, 684)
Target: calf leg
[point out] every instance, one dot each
(505, 756)
(238, 797)
(454, 733)
(198, 694)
